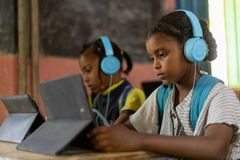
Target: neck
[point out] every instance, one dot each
(187, 83)
(106, 81)
(116, 78)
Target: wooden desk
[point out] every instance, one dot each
(8, 151)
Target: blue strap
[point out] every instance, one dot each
(201, 91)
(162, 95)
(203, 86)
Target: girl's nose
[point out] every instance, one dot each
(86, 78)
(156, 64)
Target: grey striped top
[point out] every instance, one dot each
(221, 106)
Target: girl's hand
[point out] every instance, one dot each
(116, 138)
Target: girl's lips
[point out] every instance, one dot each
(162, 76)
(90, 86)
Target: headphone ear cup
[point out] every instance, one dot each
(110, 65)
(195, 49)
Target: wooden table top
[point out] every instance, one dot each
(8, 151)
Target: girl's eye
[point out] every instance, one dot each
(162, 54)
(87, 69)
(151, 58)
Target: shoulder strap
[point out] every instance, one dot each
(162, 95)
(123, 97)
(203, 87)
(201, 91)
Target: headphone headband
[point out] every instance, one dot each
(195, 48)
(107, 45)
(196, 26)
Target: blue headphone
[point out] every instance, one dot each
(109, 64)
(195, 48)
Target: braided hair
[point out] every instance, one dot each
(177, 25)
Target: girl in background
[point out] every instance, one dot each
(112, 95)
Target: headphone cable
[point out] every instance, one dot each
(98, 114)
(193, 86)
(104, 120)
(194, 78)
(108, 98)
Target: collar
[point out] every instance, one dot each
(114, 86)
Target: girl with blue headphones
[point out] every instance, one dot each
(192, 115)
(113, 98)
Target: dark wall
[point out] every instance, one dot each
(66, 26)
(8, 26)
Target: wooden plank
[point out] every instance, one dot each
(35, 48)
(23, 44)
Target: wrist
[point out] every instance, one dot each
(143, 142)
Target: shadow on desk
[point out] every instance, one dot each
(162, 158)
(8, 151)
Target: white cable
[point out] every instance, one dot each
(193, 86)
(108, 97)
(195, 73)
(104, 120)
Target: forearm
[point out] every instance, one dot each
(121, 119)
(129, 125)
(202, 147)
(212, 145)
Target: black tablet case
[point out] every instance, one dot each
(69, 117)
(23, 118)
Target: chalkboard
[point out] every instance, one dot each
(65, 25)
(8, 26)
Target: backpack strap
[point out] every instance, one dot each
(162, 96)
(201, 91)
(203, 86)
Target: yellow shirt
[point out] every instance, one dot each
(134, 99)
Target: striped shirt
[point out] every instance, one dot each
(221, 106)
(120, 101)
(181, 118)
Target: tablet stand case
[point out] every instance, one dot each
(23, 118)
(69, 117)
